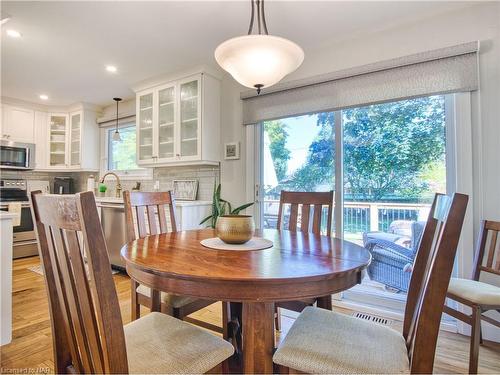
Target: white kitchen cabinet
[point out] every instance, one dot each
(41, 142)
(73, 141)
(18, 124)
(58, 140)
(144, 127)
(179, 122)
(166, 106)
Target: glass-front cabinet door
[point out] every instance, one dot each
(145, 127)
(57, 140)
(75, 137)
(189, 118)
(166, 122)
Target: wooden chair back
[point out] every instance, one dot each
(487, 256)
(430, 278)
(153, 205)
(87, 327)
(307, 200)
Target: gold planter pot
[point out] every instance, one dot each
(235, 229)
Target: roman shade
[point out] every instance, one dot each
(446, 70)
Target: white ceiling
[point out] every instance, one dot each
(66, 45)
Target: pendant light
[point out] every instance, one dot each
(259, 60)
(116, 135)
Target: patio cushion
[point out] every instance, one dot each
(167, 298)
(475, 291)
(321, 341)
(160, 344)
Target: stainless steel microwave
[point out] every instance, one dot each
(15, 155)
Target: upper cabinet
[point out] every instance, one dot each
(179, 122)
(73, 141)
(64, 141)
(58, 140)
(18, 124)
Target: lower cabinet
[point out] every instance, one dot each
(112, 214)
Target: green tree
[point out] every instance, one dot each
(123, 155)
(276, 131)
(320, 163)
(388, 148)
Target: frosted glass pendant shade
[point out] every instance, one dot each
(258, 61)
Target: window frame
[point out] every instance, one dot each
(141, 172)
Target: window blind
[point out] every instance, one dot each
(446, 70)
(122, 120)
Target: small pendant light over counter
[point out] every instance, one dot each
(116, 135)
(259, 60)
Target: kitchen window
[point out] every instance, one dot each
(121, 156)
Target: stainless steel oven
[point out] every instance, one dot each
(24, 241)
(15, 155)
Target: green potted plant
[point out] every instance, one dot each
(221, 207)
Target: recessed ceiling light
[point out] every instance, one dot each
(44, 97)
(13, 33)
(4, 19)
(111, 68)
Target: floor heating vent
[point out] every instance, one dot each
(372, 318)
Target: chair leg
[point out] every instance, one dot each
(135, 308)
(283, 369)
(176, 313)
(226, 314)
(277, 318)
(474, 339)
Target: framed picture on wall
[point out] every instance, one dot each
(232, 151)
(185, 190)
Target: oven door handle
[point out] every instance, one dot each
(23, 205)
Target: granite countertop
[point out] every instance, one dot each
(118, 201)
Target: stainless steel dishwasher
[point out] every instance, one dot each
(115, 231)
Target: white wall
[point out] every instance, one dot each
(479, 22)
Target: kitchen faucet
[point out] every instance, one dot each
(118, 188)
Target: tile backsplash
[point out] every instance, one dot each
(206, 176)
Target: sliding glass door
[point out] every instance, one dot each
(384, 162)
(394, 161)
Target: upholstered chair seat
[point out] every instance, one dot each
(343, 345)
(475, 291)
(160, 344)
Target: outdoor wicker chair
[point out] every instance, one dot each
(391, 262)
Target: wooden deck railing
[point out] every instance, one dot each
(364, 216)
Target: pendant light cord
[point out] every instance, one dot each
(117, 100)
(250, 28)
(116, 117)
(261, 18)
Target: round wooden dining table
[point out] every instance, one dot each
(298, 266)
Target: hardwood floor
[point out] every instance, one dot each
(31, 347)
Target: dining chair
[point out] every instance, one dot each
(153, 206)
(87, 330)
(322, 341)
(311, 206)
(479, 296)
